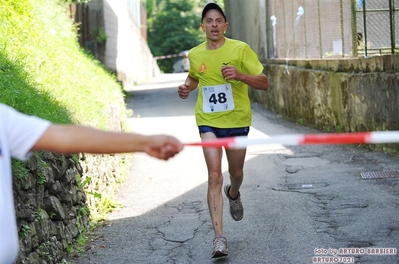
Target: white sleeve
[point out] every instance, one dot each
(22, 131)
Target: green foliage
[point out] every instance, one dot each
(42, 179)
(82, 184)
(51, 215)
(24, 232)
(105, 205)
(173, 26)
(42, 167)
(40, 215)
(80, 243)
(45, 251)
(99, 35)
(19, 169)
(84, 211)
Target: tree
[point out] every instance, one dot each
(173, 26)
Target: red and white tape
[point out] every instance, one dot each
(168, 56)
(303, 139)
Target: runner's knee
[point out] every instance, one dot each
(215, 179)
(236, 173)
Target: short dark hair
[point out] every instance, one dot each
(210, 6)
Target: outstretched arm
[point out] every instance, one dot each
(74, 139)
(260, 82)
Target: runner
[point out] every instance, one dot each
(222, 68)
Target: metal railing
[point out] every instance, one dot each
(306, 29)
(376, 23)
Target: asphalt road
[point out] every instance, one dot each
(302, 204)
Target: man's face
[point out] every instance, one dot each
(214, 25)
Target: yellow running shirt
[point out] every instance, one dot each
(221, 103)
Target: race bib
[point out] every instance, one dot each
(217, 98)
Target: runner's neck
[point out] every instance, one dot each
(211, 45)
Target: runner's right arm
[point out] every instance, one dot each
(189, 85)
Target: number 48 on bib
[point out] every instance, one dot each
(217, 98)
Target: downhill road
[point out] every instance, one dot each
(303, 204)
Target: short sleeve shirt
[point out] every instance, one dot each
(18, 134)
(221, 103)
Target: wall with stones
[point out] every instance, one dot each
(47, 207)
(335, 95)
(61, 195)
(52, 205)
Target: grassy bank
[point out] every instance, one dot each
(44, 72)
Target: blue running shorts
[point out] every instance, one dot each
(224, 132)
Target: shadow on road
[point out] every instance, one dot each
(296, 199)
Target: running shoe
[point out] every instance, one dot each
(219, 247)
(236, 209)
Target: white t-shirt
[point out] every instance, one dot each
(18, 133)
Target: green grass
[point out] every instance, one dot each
(44, 72)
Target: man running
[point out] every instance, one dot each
(222, 69)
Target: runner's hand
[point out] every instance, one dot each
(183, 91)
(231, 73)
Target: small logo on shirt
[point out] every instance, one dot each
(226, 63)
(202, 69)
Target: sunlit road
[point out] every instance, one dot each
(301, 203)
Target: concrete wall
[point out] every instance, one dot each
(247, 19)
(126, 49)
(335, 95)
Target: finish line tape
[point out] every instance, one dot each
(303, 139)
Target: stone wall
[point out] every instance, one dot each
(350, 95)
(61, 195)
(47, 207)
(52, 205)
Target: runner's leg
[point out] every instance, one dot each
(213, 159)
(235, 158)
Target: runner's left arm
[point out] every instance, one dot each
(260, 82)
